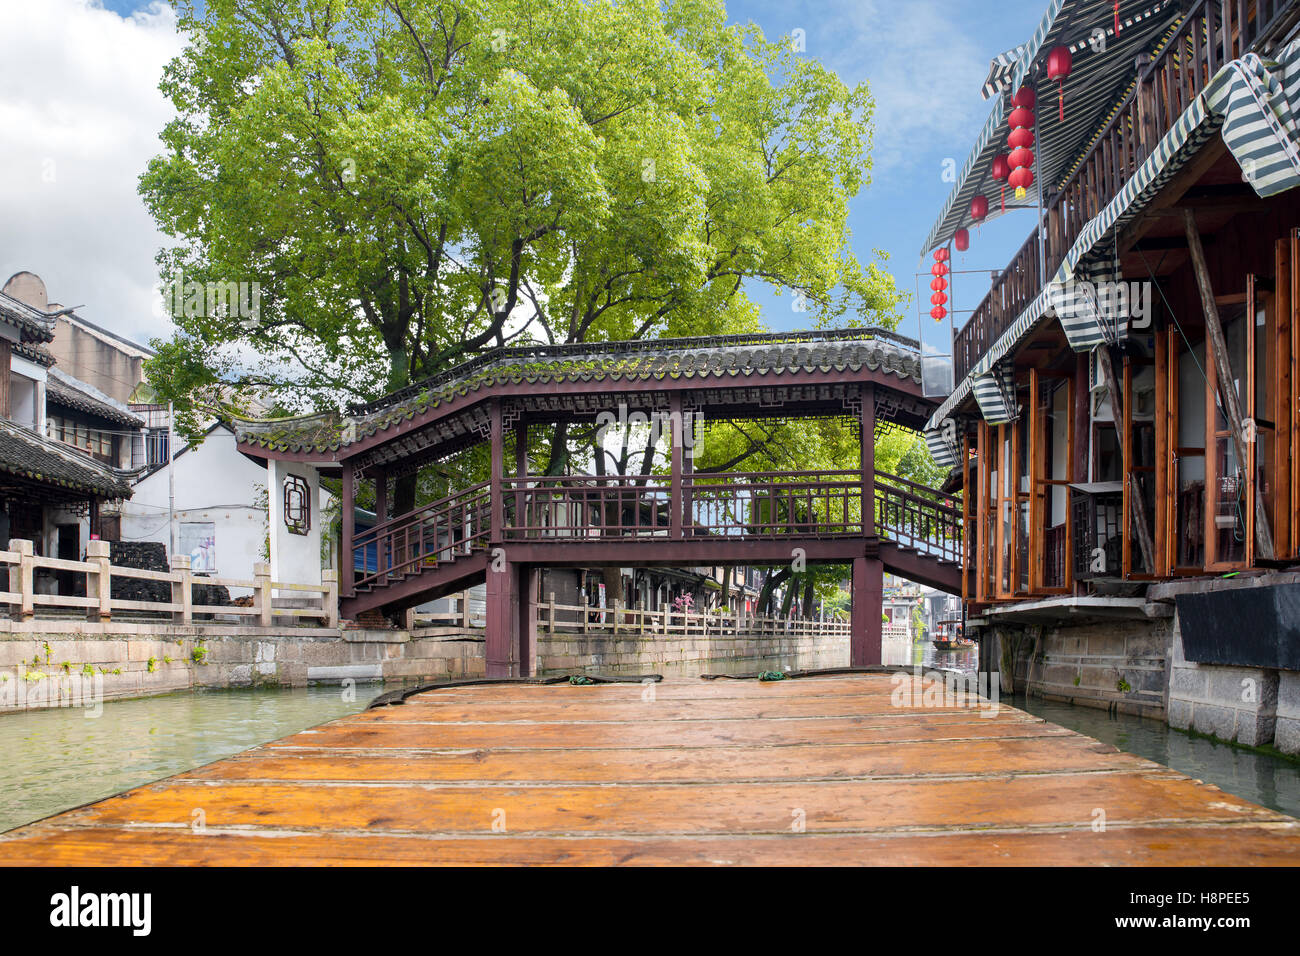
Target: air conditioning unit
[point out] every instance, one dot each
(1096, 381)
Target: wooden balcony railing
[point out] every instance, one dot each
(1212, 33)
(1011, 293)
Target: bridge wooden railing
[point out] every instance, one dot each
(437, 532)
(735, 505)
(918, 516)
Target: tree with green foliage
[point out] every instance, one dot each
(410, 182)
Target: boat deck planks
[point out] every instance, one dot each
(823, 770)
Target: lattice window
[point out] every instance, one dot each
(297, 505)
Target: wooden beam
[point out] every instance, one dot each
(1227, 394)
(1139, 507)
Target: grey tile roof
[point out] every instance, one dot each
(64, 390)
(36, 326)
(701, 358)
(32, 457)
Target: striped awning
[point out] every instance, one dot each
(1098, 84)
(1001, 70)
(942, 445)
(995, 393)
(1259, 100)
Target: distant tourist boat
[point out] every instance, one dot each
(950, 636)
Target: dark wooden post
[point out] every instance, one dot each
(867, 433)
(501, 617)
(93, 530)
(347, 518)
(866, 610)
(675, 472)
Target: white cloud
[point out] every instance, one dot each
(925, 72)
(80, 114)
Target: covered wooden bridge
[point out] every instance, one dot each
(504, 528)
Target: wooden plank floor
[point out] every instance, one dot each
(816, 771)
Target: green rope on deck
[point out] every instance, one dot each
(580, 680)
(770, 675)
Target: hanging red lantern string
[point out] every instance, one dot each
(1116, 17)
(1021, 159)
(1059, 64)
(979, 208)
(939, 283)
(961, 239)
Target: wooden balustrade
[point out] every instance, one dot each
(24, 599)
(1211, 34)
(918, 517)
(434, 533)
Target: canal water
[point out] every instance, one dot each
(57, 759)
(54, 760)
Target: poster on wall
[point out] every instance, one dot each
(199, 540)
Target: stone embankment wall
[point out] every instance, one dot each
(41, 660)
(1138, 666)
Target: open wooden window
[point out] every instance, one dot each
(1137, 436)
(1051, 429)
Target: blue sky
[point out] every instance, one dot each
(924, 61)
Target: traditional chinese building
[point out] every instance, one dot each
(52, 486)
(1124, 413)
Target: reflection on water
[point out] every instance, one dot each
(1270, 781)
(57, 759)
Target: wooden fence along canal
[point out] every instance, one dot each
(852, 769)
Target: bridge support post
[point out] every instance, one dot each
(867, 607)
(511, 628)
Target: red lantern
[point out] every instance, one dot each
(938, 284)
(1059, 64)
(1001, 170)
(937, 313)
(1020, 157)
(961, 239)
(1021, 179)
(941, 254)
(1116, 17)
(938, 299)
(1020, 139)
(938, 269)
(979, 208)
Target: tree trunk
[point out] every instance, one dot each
(807, 596)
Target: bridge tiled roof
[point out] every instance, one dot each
(715, 357)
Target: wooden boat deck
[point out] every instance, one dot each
(705, 773)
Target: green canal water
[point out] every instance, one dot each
(53, 760)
